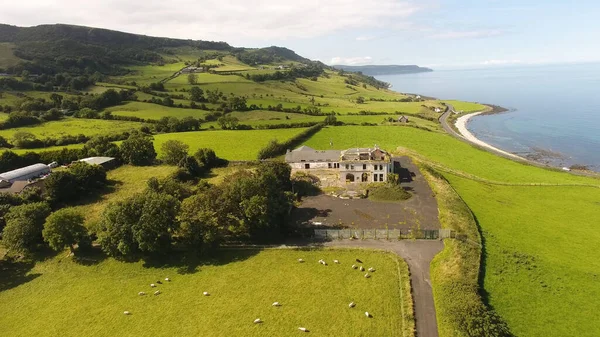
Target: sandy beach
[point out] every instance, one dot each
(461, 125)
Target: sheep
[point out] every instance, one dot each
(367, 275)
(359, 261)
(167, 279)
(152, 285)
(362, 268)
(276, 304)
(371, 269)
(336, 261)
(354, 266)
(368, 315)
(156, 293)
(300, 260)
(303, 329)
(351, 305)
(258, 320)
(158, 282)
(141, 293)
(206, 293)
(323, 262)
(126, 313)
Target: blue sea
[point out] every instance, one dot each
(554, 110)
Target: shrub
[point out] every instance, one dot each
(174, 151)
(24, 224)
(138, 150)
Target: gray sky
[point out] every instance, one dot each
(437, 33)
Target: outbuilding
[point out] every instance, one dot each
(26, 173)
(106, 162)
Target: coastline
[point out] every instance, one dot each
(461, 126)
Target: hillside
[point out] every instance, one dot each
(374, 70)
(78, 49)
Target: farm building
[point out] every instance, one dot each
(106, 162)
(402, 119)
(19, 186)
(25, 173)
(352, 165)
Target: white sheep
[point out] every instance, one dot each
(152, 285)
(300, 260)
(368, 315)
(167, 279)
(367, 275)
(141, 293)
(351, 305)
(354, 266)
(303, 329)
(336, 261)
(276, 304)
(362, 268)
(206, 293)
(258, 320)
(156, 293)
(126, 313)
(371, 269)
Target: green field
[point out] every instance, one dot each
(7, 57)
(89, 300)
(466, 106)
(231, 145)
(125, 181)
(73, 126)
(144, 75)
(153, 111)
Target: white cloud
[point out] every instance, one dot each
(214, 19)
(499, 62)
(350, 61)
(365, 38)
(473, 34)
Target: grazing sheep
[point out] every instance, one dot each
(336, 261)
(152, 285)
(156, 293)
(368, 315)
(158, 282)
(276, 304)
(362, 268)
(371, 269)
(300, 260)
(354, 266)
(167, 279)
(206, 293)
(126, 313)
(351, 305)
(323, 262)
(303, 329)
(359, 261)
(367, 275)
(258, 320)
(141, 293)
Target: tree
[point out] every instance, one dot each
(192, 78)
(331, 120)
(61, 187)
(138, 150)
(200, 228)
(88, 177)
(56, 99)
(24, 224)
(101, 146)
(360, 100)
(196, 94)
(228, 122)
(174, 151)
(191, 166)
(143, 223)
(64, 228)
(207, 158)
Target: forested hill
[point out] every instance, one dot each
(78, 49)
(374, 70)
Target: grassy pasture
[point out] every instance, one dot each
(541, 265)
(79, 300)
(466, 106)
(153, 111)
(7, 57)
(73, 126)
(230, 63)
(126, 181)
(44, 149)
(231, 145)
(151, 73)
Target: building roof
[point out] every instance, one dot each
(16, 187)
(97, 160)
(305, 153)
(25, 171)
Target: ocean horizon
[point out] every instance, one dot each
(552, 114)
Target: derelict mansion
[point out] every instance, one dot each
(356, 165)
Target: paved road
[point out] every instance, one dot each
(418, 255)
(446, 126)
